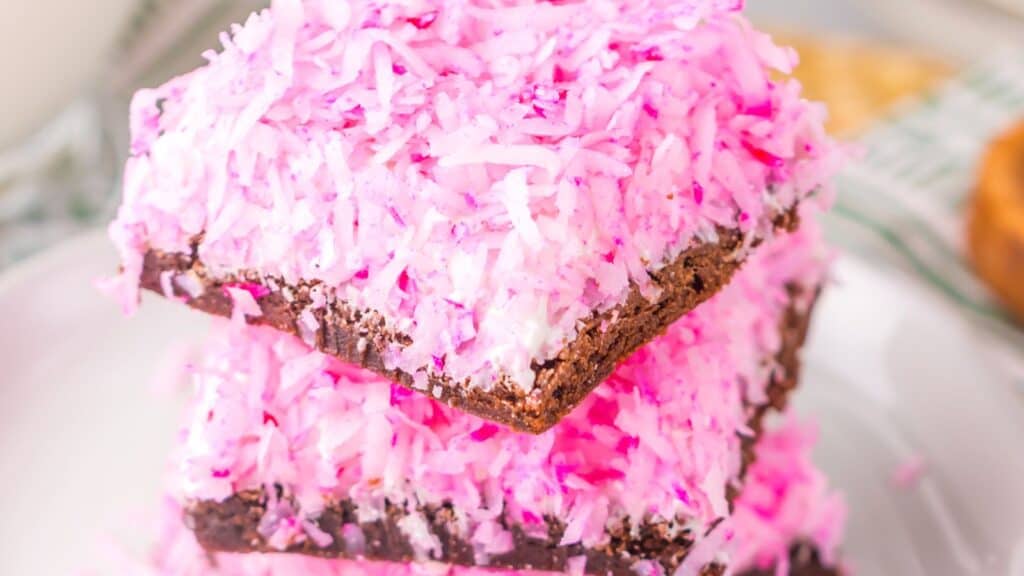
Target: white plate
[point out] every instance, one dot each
(891, 374)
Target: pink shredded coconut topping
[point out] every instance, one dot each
(659, 440)
(484, 174)
(785, 501)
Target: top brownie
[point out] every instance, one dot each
(492, 202)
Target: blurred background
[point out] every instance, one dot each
(72, 66)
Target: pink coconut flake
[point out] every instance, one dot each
(269, 418)
(909, 473)
(764, 157)
(397, 153)
(257, 291)
(660, 439)
(485, 432)
(243, 303)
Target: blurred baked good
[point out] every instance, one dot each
(861, 81)
(995, 231)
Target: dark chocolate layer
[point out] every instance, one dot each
(561, 383)
(233, 525)
(804, 560)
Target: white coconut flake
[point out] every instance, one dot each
(425, 544)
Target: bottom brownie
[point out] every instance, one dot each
(234, 525)
(787, 521)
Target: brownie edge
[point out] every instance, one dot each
(360, 337)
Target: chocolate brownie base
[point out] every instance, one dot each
(804, 560)
(360, 337)
(233, 525)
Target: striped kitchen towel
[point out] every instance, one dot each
(903, 201)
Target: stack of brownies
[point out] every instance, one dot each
(506, 285)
